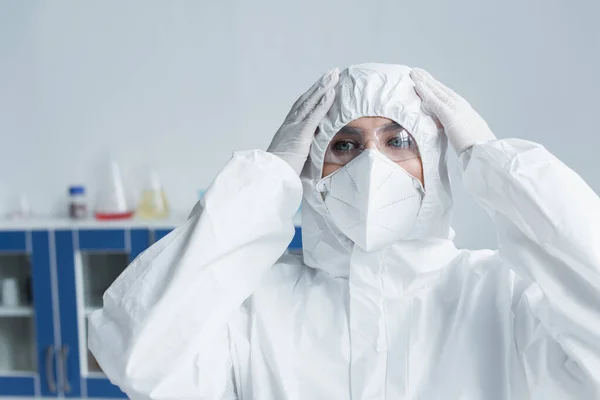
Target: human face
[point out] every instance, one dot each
(378, 133)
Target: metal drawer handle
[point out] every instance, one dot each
(64, 355)
(50, 369)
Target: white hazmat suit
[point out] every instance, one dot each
(215, 311)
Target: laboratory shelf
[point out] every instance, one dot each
(20, 311)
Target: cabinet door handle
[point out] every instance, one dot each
(50, 369)
(64, 356)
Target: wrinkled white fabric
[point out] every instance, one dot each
(372, 200)
(215, 311)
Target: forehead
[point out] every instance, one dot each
(369, 123)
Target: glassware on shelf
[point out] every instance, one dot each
(113, 201)
(9, 292)
(19, 207)
(153, 202)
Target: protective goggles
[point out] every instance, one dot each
(391, 140)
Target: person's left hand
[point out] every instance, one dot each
(463, 126)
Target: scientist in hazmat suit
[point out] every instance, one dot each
(381, 304)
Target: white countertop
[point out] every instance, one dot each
(48, 398)
(65, 223)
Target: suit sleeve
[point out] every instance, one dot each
(548, 224)
(163, 330)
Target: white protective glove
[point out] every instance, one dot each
(292, 141)
(463, 126)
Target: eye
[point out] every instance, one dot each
(401, 142)
(344, 146)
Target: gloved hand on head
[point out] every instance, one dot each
(292, 141)
(463, 125)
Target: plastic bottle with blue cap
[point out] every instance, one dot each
(78, 208)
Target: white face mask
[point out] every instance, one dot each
(372, 200)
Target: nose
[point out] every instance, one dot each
(370, 144)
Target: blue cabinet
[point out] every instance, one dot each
(28, 343)
(89, 260)
(61, 271)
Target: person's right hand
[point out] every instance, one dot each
(292, 141)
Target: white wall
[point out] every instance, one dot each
(179, 85)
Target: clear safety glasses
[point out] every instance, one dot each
(391, 140)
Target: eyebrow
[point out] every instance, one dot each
(392, 126)
(349, 130)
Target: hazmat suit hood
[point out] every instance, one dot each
(377, 90)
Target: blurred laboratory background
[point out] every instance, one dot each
(115, 117)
